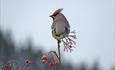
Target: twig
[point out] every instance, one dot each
(58, 42)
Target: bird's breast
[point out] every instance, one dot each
(60, 27)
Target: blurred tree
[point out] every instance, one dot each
(83, 66)
(95, 65)
(113, 67)
(7, 50)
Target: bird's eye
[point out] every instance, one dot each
(52, 16)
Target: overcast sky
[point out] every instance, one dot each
(93, 21)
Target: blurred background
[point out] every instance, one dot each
(25, 32)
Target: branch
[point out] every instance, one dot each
(58, 42)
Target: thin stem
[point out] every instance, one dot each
(58, 42)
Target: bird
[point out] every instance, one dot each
(60, 26)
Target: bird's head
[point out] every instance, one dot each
(56, 13)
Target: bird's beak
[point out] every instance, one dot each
(50, 16)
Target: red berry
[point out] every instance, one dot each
(9, 66)
(56, 62)
(28, 62)
(53, 64)
(44, 59)
(50, 65)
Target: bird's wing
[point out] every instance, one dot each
(67, 23)
(67, 27)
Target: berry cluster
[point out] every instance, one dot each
(13, 64)
(51, 59)
(7, 66)
(69, 41)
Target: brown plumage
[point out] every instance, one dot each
(60, 26)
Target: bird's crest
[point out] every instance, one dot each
(57, 11)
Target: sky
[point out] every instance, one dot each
(93, 21)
